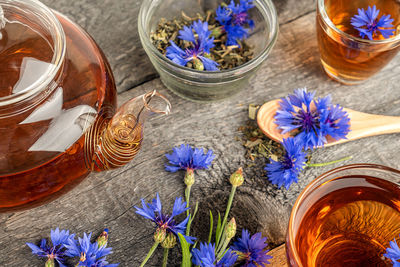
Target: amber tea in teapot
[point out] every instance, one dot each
(57, 107)
(24, 54)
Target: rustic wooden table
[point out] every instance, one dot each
(106, 199)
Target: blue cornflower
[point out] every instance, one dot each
(393, 253)
(233, 18)
(252, 250)
(205, 257)
(57, 250)
(314, 120)
(286, 170)
(333, 122)
(187, 158)
(239, 12)
(367, 23)
(199, 50)
(90, 254)
(166, 222)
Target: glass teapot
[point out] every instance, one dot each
(57, 107)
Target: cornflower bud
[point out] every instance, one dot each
(189, 177)
(198, 65)
(102, 239)
(49, 263)
(231, 229)
(169, 241)
(237, 178)
(160, 235)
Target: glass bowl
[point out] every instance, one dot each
(204, 85)
(353, 183)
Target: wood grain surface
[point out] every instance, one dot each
(278, 256)
(107, 199)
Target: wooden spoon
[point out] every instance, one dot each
(361, 124)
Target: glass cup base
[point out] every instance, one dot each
(334, 75)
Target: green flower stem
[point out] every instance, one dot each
(153, 248)
(221, 242)
(228, 208)
(211, 227)
(328, 163)
(187, 197)
(191, 218)
(165, 257)
(223, 248)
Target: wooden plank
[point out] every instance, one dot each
(279, 257)
(113, 24)
(106, 199)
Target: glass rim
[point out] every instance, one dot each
(42, 13)
(266, 6)
(290, 239)
(322, 11)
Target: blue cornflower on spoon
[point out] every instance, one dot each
(54, 252)
(393, 253)
(286, 170)
(199, 51)
(205, 257)
(368, 25)
(310, 120)
(234, 18)
(89, 254)
(252, 250)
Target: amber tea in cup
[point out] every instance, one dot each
(345, 56)
(346, 217)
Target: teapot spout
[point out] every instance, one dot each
(112, 143)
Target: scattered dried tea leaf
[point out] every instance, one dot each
(253, 111)
(257, 144)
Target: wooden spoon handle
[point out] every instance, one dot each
(364, 125)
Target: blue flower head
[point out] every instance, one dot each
(153, 211)
(393, 253)
(90, 254)
(198, 52)
(56, 251)
(252, 250)
(234, 18)
(313, 120)
(285, 171)
(185, 157)
(368, 25)
(205, 257)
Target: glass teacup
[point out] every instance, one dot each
(346, 57)
(346, 217)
